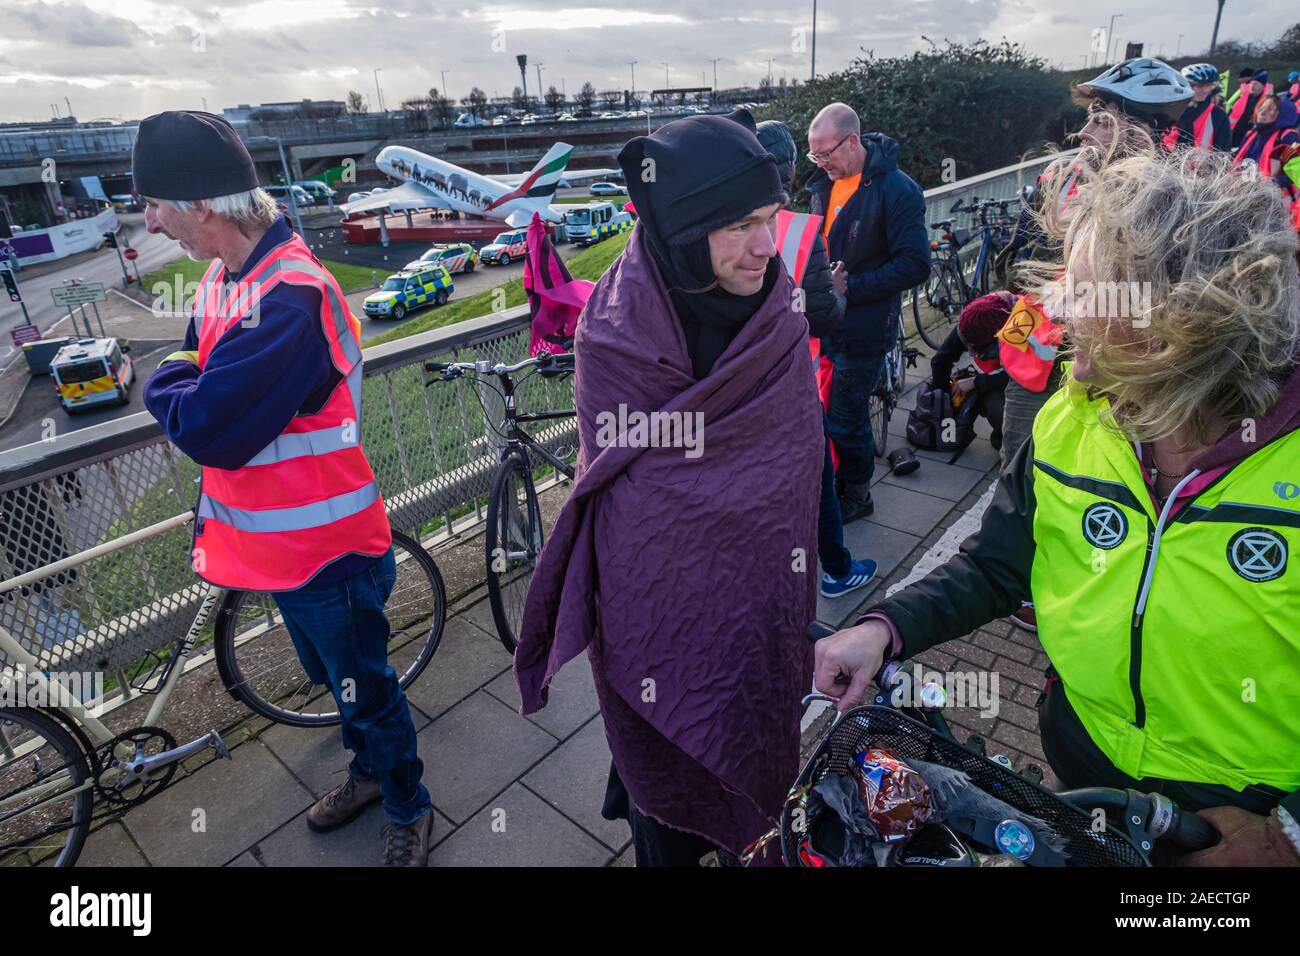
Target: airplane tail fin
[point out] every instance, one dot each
(537, 190)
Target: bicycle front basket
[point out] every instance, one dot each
(907, 739)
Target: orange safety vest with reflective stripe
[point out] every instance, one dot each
(1028, 343)
(309, 497)
(1265, 155)
(1202, 131)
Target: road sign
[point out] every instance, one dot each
(24, 333)
(130, 253)
(71, 295)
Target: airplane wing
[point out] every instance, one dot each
(408, 192)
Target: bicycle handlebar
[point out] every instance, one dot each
(543, 360)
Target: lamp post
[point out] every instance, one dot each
(1110, 31)
(1214, 38)
(812, 74)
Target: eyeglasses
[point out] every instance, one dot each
(820, 158)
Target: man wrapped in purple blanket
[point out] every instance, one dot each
(684, 561)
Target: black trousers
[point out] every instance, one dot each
(1080, 763)
(653, 843)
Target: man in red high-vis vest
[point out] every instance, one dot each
(265, 395)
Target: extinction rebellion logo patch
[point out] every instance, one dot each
(1258, 554)
(1104, 526)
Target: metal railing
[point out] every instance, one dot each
(94, 541)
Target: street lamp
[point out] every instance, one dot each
(666, 83)
(812, 74)
(1179, 48)
(379, 94)
(443, 73)
(714, 61)
(1110, 31)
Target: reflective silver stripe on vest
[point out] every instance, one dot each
(273, 520)
(201, 297)
(1207, 131)
(322, 441)
(791, 241)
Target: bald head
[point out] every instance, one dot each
(837, 118)
(835, 139)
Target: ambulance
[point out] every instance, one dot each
(92, 372)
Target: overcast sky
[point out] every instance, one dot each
(128, 58)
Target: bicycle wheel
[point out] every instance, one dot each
(512, 543)
(46, 796)
(944, 295)
(259, 663)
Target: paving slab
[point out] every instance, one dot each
(519, 829)
(475, 750)
(360, 843)
(979, 455)
(241, 799)
(906, 510)
(572, 779)
(466, 659)
(244, 859)
(571, 703)
(110, 845)
(315, 755)
(940, 480)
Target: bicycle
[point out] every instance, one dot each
(57, 761)
(890, 387)
(1131, 822)
(946, 290)
(515, 534)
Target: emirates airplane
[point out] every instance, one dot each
(432, 183)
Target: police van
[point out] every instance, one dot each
(594, 221)
(92, 372)
(408, 290)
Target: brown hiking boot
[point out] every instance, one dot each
(342, 804)
(408, 844)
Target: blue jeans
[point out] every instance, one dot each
(835, 558)
(849, 415)
(341, 635)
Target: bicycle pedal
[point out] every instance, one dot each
(219, 746)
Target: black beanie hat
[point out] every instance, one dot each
(709, 171)
(188, 154)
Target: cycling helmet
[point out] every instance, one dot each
(1201, 73)
(778, 141)
(1148, 90)
(1293, 76)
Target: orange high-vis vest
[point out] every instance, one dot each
(1029, 341)
(795, 235)
(1265, 155)
(1202, 131)
(309, 497)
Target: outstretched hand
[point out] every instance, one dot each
(847, 661)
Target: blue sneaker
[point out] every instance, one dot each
(860, 575)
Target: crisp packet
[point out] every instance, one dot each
(897, 798)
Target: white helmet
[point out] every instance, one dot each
(1146, 89)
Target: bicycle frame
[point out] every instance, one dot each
(517, 437)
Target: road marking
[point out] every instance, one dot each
(938, 554)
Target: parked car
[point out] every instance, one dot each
(469, 119)
(454, 257)
(320, 193)
(282, 193)
(408, 290)
(607, 189)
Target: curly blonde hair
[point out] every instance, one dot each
(1208, 323)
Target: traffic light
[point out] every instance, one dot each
(110, 240)
(11, 286)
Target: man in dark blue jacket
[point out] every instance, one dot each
(875, 229)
